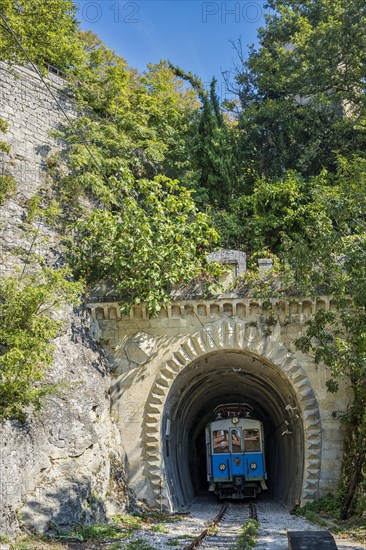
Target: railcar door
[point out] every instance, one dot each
(221, 458)
(253, 455)
(236, 449)
(208, 453)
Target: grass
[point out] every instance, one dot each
(100, 531)
(138, 544)
(150, 517)
(176, 541)
(212, 531)
(159, 529)
(154, 516)
(325, 512)
(119, 529)
(313, 517)
(248, 535)
(35, 543)
(128, 521)
(328, 506)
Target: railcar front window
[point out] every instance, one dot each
(220, 441)
(235, 441)
(252, 443)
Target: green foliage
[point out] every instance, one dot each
(7, 183)
(180, 539)
(229, 225)
(276, 210)
(134, 123)
(302, 90)
(215, 155)
(7, 188)
(314, 518)
(28, 301)
(128, 521)
(287, 180)
(302, 108)
(159, 529)
(248, 535)
(144, 234)
(31, 300)
(330, 258)
(4, 147)
(284, 215)
(314, 228)
(212, 148)
(99, 532)
(131, 120)
(138, 544)
(153, 243)
(326, 506)
(155, 516)
(47, 31)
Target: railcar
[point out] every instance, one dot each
(235, 453)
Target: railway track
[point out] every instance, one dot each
(225, 529)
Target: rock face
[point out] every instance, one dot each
(57, 468)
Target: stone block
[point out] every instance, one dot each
(311, 540)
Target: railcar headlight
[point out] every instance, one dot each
(253, 466)
(235, 420)
(222, 467)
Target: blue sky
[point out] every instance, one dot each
(194, 34)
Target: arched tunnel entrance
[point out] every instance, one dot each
(231, 377)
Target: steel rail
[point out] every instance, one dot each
(198, 540)
(253, 513)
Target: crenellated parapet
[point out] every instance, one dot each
(243, 308)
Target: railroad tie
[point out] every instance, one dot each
(229, 530)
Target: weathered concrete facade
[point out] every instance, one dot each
(170, 371)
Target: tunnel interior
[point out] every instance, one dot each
(231, 377)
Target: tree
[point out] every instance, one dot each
(140, 231)
(130, 120)
(29, 300)
(302, 92)
(47, 32)
(332, 260)
(212, 147)
(155, 240)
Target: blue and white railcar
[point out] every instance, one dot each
(235, 453)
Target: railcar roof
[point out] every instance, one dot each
(228, 410)
(225, 423)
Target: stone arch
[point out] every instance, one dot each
(231, 335)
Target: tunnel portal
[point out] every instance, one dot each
(229, 377)
(172, 370)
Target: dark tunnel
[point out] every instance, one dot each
(231, 377)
